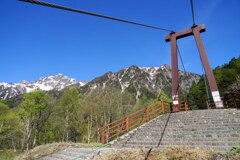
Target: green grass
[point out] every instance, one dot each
(8, 154)
(169, 153)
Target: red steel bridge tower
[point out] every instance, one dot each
(172, 38)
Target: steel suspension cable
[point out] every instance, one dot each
(193, 18)
(204, 78)
(92, 14)
(179, 53)
(205, 83)
(181, 58)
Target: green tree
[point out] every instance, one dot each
(4, 110)
(227, 78)
(103, 106)
(67, 114)
(34, 111)
(163, 96)
(9, 128)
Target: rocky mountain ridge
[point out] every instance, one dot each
(134, 79)
(143, 79)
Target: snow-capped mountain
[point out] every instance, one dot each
(139, 80)
(148, 81)
(54, 82)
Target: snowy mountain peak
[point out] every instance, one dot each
(165, 66)
(139, 80)
(150, 70)
(53, 82)
(24, 82)
(135, 79)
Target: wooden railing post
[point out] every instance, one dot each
(147, 114)
(127, 123)
(207, 104)
(103, 135)
(163, 107)
(186, 107)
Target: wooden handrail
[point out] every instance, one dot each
(123, 125)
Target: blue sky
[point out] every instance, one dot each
(38, 41)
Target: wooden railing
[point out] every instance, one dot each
(135, 119)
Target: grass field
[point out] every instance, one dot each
(168, 153)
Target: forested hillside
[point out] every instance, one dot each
(228, 80)
(42, 119)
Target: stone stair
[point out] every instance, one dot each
(76, 154)
(216, 128)
(198, 128)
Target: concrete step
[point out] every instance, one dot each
(191, 122)
(211, 143)
(178, 123)
(175, 124)
(48, 158)
(62, 156)
(184, 140)
(183, 129)
(204, 147)
(77, 153)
